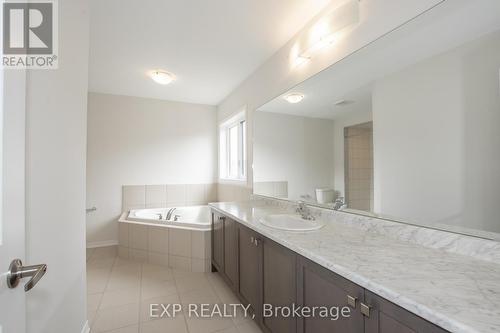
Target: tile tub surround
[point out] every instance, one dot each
(167, 195)
(457, 292)
(233, 192)
(181, 249)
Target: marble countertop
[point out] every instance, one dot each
(456, 292)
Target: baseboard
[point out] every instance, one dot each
(86, 328)
(91, 245)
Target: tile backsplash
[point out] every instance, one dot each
(166, 195)
(233, 192)
(276, 189)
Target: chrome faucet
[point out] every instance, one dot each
(304, 211)
(339, 204)
(169, 214)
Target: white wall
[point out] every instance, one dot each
(137, 141)
(295, 149)
(56, 104)
(436, 138)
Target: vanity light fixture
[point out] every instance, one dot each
(342, 102)
(294, 98)
(162, 77)
(329, 29)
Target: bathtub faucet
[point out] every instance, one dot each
(169, 214)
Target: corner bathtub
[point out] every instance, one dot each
(190, 218)
(181, 242)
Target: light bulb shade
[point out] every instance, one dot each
(332, 27)
(294, 98)
(162, 77)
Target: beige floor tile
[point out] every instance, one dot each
(168, 325)
(101, 263)
(125, 262)
(156, 272)
(227, 296)
(155, 288)
(199, 296)
(97, 280)
(208, 325)
(93, 301)
(91, 317)
(128, 329)
(123, 291)
(229, 330)
(116, 317)
(191, 281)
(133, 268)
(165, 300)
(119, 281)
(240, 316)
(249, 327)
(89, 253)
(119, 297)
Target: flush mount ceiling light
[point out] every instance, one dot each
(294, 98)
(329, 29)
(162, 77)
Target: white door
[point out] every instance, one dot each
(12, 234)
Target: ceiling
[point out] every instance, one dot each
(352, 79)
(211, 46)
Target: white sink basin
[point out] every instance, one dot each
(290, 222)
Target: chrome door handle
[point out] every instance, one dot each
(17, 271)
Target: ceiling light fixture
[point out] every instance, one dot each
(343, 102)
(162, 77)
(294, 98)
(329, 29)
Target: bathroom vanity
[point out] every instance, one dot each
(390, 285)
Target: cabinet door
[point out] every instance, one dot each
(218, 241)
(319, 287)
(249, 261)
(231, 252)
(279, 285)
(386, 317)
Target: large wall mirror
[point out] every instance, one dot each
(407, 128)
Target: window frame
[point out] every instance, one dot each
(225, 171)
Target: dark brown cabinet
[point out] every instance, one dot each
(249, 261)
(225, 248)
(218, 241)
(261, 272)
(279, 285)
(387, 317)
(318, 287)
(231, 252)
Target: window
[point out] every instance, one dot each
(232, 148)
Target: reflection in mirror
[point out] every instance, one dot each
(414, 137)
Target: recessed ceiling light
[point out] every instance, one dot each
(162, 77)
(294, 98)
